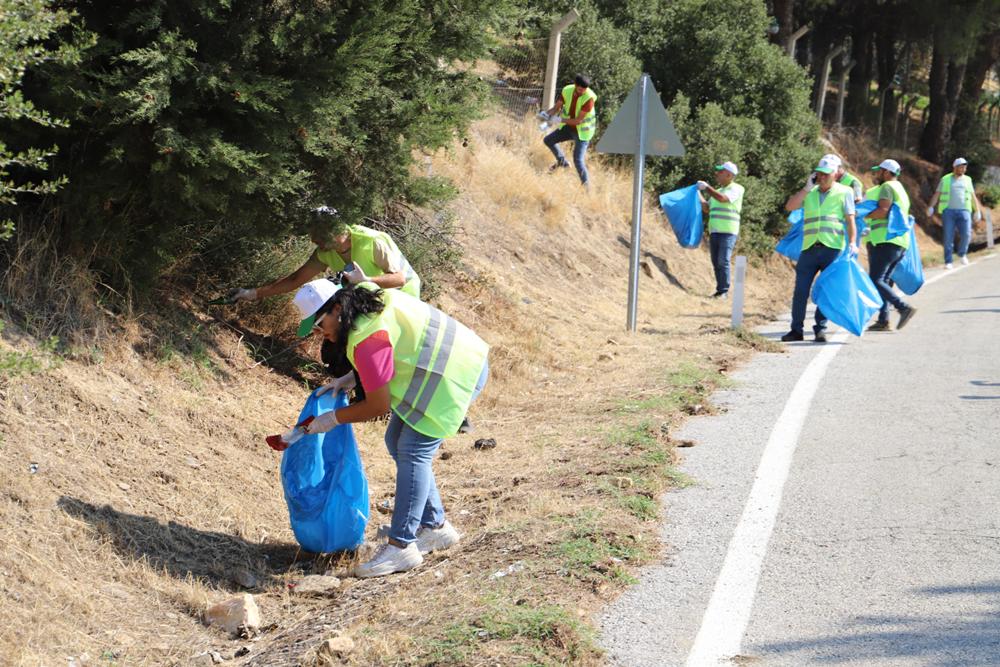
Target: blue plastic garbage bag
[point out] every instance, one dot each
(325, 485)
(846, 295)
(909, 273)
(683, 209)
(790, 244)
(898, 225)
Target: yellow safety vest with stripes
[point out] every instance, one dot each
(585, 130)
(946, 192)
(437, 361)
(724, 217)
(825, 223)
(879, 228)
(363, 254)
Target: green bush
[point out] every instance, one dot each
(203, 130)
(989, 195)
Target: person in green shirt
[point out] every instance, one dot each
(885, 254)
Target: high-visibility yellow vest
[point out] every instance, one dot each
(585, 130)
(437, 361)
(879, 228)
(825, 223)
(849, 180)
(946, 192)
(363, 254)
(724, 217)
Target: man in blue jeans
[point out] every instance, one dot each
(723, 208)
(958, 199)
(828, 227)
(884, 253)
(578, 122)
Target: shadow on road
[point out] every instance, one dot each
(974, 310)
(947, 638)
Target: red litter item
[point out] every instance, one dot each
(280, 443)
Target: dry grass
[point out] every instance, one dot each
(151, 486)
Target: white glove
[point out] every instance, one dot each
(930, 211)
(979, 216)
(355, 275)
(852, 250)
(810, 182)
(702, 185)
(244, 294)
(323, 423)
(343, 383)
(544, 115)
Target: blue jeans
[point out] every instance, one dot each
(962, 219)
(883, 259)
(567, 133)
(418, 502)
(813, 259)
(720, 246)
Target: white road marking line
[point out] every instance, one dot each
(728, 611)
(725, 621)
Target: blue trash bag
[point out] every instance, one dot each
(790, 244)
(846, 295)
(683, 209)
(909, 273)
(325, 485)
(898, 225)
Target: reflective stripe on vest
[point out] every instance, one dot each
(363, 254)
(824, 223)
(946, 192)
(724, 217)
(437, 361)
(585, 130)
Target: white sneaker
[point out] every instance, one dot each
(388, 559)
(949, 266)
(965, 260)
(436, 539)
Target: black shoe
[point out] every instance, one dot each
(905, 316)
(557, 165)
(791, 337)
(466, 426)
(820, 337)
(720, 295)
(880, 326)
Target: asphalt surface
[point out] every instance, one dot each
(886, 547)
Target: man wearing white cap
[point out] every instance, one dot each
(956, 199)
(884, 254)
(723, 208)
(844, 177)
(828, 227)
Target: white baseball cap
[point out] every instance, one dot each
(889, 165)
(728, 166)
(828, 164)
(311, 298)
(833, 158)
(959, 161)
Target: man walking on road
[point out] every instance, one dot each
(828, 227)
(957, 198)
(885, 254)
(575, 107)
(723, 208)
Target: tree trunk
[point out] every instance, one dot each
(784, 12)
(861, 75)
(933, 137)
(987, 54)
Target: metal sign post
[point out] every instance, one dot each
(640, 128)
(739, 280)
(989, 228)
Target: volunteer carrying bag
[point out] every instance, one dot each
(846, 295)
(909, 273)
(898, 225)
(790, 244)
(325, 485)
(683, 209)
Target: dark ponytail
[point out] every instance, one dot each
(354, 303)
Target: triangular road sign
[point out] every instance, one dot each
(622, 136)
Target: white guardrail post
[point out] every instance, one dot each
(739, 280)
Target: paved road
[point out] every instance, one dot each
(885, 547)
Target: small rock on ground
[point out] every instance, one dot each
(334, 649)
(316, 584)
(485, 443)
(235, 615)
